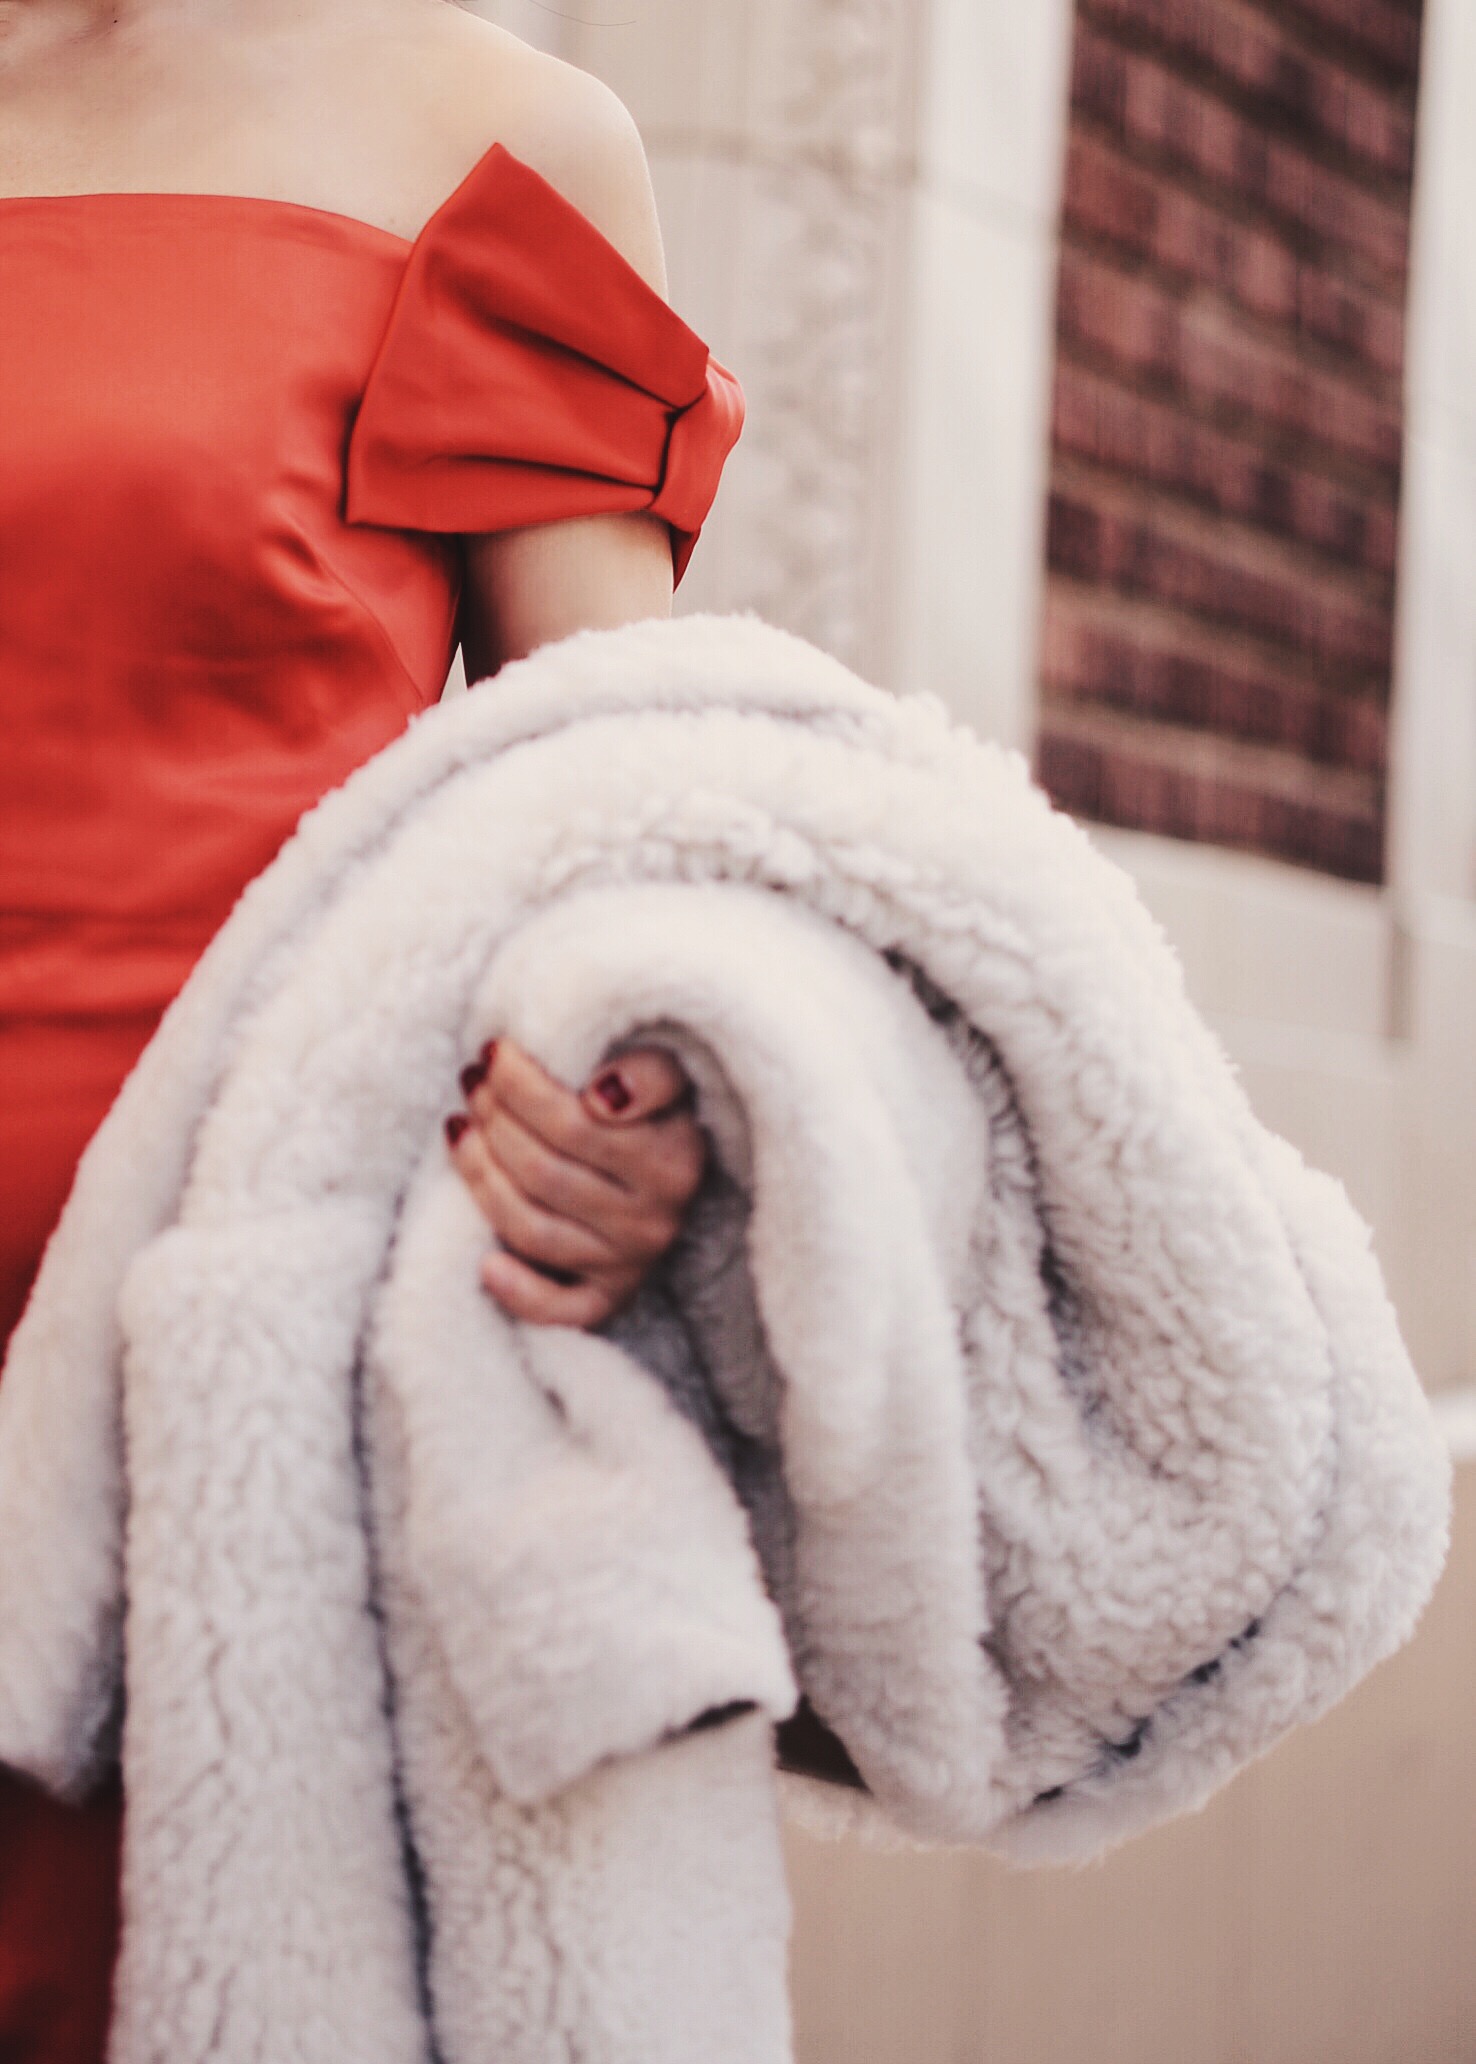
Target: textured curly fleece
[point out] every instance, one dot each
(1013, 1391)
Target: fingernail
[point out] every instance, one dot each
(475, 1073)
(456, 1125)
(612, 1092)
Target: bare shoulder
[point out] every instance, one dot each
(569, 126)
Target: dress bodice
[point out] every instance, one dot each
(239, 443)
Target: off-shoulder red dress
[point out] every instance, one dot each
(239, 442)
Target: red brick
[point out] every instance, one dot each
(1122, 432)
(1187, 352)
(1109, 198)
(1385, 36)
(1129, 668)
(1273, 74)
(1332, 313)
(1227, 422)
(1142, 102)
(1113, 786)
(1139, 555)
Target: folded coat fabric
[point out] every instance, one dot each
(1012, 1392)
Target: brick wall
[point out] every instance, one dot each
(1226, 422)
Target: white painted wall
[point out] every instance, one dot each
(975, 393)
(1434, 798)
(860, 200)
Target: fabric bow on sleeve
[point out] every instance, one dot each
(528, 373)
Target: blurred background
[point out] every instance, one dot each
(1112, 373)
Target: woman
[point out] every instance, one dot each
(330, 330)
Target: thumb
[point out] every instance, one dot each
(639, 1084)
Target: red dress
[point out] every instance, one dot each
(239, 442)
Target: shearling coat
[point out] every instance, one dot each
(1013, 1394)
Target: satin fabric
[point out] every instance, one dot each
(618, 405)
(240, 441)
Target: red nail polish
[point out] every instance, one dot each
(612, 1092)
(475, 1073)
(456, 1125)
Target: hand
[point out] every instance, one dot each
(584, 1191)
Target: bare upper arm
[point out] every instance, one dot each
(526, 587)
(568, 125)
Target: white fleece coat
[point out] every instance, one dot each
(1013, 1392)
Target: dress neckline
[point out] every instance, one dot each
(493, 159)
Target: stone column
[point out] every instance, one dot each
(859, 199)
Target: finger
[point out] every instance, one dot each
(552, 1113)
(523, 1294)
(567, 1188)
(643, 1218)
(476, 1071)
(629, 1185)
(675, 1151)
(539, 1235)
(641, 1083)
(659, 1162)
